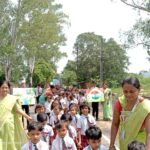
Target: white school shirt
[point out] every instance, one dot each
(75, 120)
(47, 132)
(74, 101)
(39, 91)
(40, 145)
(82, 99)
(48, 106)
(63, 102)
(53, 119)
(34, 117)
(82, 123)
(72, 131)
(102, 147)
(57, 143)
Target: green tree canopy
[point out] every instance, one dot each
(43, 72)
(139, 34)
(96, 56)
(30, 31)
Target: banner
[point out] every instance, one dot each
(94, 95)
(26, 95)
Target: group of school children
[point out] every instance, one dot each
(63, 122)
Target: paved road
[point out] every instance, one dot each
(105, 126)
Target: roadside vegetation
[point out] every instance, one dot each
(145, 87)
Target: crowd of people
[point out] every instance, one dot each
(63, 120)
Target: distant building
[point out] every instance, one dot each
(145, 73)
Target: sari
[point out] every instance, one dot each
(12, 134)
(107, 104)
(132, 121)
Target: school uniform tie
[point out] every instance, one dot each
(35, 147)
(63, 144)
(56, 120)
(76, 120)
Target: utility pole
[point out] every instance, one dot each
(101, 63)
(77, 50)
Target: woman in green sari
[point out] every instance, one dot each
(131, 116)
(107, 104)
(12, 134)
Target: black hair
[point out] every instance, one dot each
(60, 124)
(41, 117)
(136, 145)
(133, 81)
(4, 82)
(39, 106)
(84, 104)
(93, 133)
(52, 106)
(66, 117)
(73, 105)
(35, 126)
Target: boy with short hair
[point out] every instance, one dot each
(47, 132)
(63, 141)
(136, 145)
(94, 135)
(34, 133)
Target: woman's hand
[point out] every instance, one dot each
(29, 118)
(112, 147)
(79, 145)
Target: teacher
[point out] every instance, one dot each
(131, 116)
(12, 134)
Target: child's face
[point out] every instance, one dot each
(49, 98)
(40, 110)
(44, 123)
(62, 131)
(85, 110)
(35, 136)
(73, 111)
(94, 143)
(56, 110)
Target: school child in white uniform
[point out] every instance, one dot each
(71, 100)
(86, 120)
(35, 142)
(39, 108)
(54, 119)
(47, 132)
(48, 103)
(55, 103)
(71, 130)
(63, 140)
(73, 109)
(56, 115)
(94, 135)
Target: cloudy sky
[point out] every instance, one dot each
(103, 17)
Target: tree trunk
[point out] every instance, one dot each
(31, 68)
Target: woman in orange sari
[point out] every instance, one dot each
(12, 134)
(131, 116)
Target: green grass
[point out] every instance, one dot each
(145, 84)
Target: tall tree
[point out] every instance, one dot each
(139, 34)
(9, 56)
(41, 32)
(143, 5)
(96, 57)
(69, 74)
(43, 72)
(29, 31)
